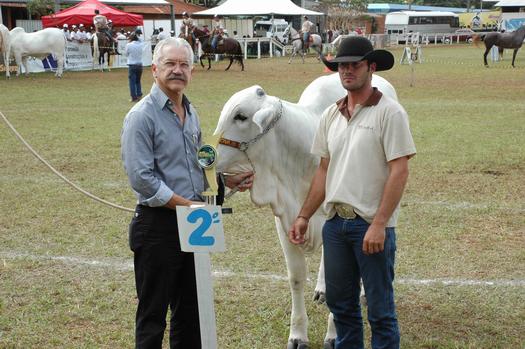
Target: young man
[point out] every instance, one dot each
(160, 139)
(364, 143)
(217, 31)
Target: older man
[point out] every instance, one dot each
(160, 139)
(364, 143)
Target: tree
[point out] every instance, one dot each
(40, 7)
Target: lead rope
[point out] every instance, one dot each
(61, 176)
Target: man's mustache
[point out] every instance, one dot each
(177, 77)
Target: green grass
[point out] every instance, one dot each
(462, 216)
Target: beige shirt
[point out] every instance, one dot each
(359, 150)
(307, 26)
(100, 22)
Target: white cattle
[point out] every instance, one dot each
(39, 44)
(4, 44)
(274, 138)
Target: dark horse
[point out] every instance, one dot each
(230, 48)
(502, 40)
(102, 44)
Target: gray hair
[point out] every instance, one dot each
(175, 42)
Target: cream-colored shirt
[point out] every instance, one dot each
(359, 150)
(307, 26)
(100, 22)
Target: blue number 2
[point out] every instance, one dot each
(197, 237)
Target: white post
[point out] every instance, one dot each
(259, 48)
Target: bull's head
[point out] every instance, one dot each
(244, 117)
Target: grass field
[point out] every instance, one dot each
(65, 268)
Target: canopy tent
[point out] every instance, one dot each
(83, 13)
(257, 8)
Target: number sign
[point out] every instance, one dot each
(200, 229)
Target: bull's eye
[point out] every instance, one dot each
(240, 117)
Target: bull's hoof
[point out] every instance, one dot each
(329, 344)
(319, 297)
(297, 344)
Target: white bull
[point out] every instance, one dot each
(276, 137)
(39, 44)
(4, 44)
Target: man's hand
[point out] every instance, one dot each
(297, 232)
(243, 181)
(374, 241)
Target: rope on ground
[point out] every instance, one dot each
(96, 198)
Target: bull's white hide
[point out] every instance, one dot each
(39, 44)
(284, 169)
(4, 44)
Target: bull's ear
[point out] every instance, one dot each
(263, 117)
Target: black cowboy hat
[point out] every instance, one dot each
(358, 48)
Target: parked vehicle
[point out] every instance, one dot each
(270, 28)
(463, 35)
(435, 22)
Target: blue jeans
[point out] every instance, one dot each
(134, 75)
(345, 263)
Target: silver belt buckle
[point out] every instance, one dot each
(345, 211)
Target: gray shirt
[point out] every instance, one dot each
(159, 152)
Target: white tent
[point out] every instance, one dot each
(257, 8)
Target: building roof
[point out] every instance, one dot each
(258, 7)
(510, 3)
(386, 8)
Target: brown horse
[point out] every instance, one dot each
(229, 47)
(102, 45)
(512, 40)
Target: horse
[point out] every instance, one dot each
(505, 40)
(4, 44)
(295, 38)
(38, 44)
(101, 46)
(229, 47)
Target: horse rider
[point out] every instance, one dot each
(101, 24)
(306, 29)
(187, 24)
(217, 31)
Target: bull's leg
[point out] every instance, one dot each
(60, 66)
(329, 339)
(24, 63)
(296, 265)
(6, 60)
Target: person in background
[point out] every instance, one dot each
(206, 29)
(160, 138)
(134, 51)
(82, 35)
(73, 36)
(101, 25)
(121, 35)
(364, 144)
(217, 31)
(162, 34)
(154, 39)
(172, 33)
(306, 29)
(65, 31)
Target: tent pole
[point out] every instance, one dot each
(172, 16)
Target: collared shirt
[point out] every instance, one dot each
(307, 26)
(160, 153)
(359, 148)
(163, 35)
(134, 51)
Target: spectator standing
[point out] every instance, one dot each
(134, 50)
(364, 143)
(73, 36)
(65, 31)
(82, 35)
(154, 39)
(162, 34)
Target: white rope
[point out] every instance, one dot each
(96, 198)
